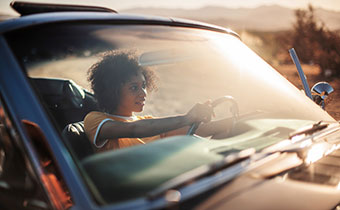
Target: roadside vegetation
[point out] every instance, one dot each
(314, 43)
(317, 47)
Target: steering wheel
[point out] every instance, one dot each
(233, 110)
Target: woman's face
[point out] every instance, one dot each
(132, 95)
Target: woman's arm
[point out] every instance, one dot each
(141, 128)
(152, 127)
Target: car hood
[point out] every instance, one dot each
(133, 172)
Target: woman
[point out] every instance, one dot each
(120, 86)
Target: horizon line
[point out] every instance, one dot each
(8, 13)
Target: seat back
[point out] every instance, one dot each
(76, 138)
(66, 101)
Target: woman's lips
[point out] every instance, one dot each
(141, 103)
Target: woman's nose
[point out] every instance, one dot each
(143, 92)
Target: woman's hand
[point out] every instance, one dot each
(200, 113)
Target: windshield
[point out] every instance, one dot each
(191, 65)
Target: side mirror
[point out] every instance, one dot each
(320, 91)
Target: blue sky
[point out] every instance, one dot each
(186, 4)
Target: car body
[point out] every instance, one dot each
(282, 151)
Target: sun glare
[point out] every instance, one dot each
(315, 153)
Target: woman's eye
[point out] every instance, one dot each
(134, 88)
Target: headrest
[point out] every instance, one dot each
(60, 93)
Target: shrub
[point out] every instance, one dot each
(314, 43)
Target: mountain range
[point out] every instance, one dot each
(263, 18)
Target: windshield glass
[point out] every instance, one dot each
(191, 65)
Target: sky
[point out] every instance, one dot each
(186, 4)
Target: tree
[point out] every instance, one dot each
(314, 43)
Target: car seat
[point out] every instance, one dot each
(68, 104)
(76, 138)
(65, 100)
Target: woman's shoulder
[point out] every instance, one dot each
(94, 114)
(94, 117)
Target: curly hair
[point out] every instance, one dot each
(109, 74)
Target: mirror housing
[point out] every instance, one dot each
(320, 91)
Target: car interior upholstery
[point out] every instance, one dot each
(75, 135)
(68, 104)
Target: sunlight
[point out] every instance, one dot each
(254, 71)
(297, 138)
(230, 48)
(315, 153)
(244, 59)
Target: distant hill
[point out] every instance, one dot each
(5, 17)
(265, 18)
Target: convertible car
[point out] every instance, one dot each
(282, 150)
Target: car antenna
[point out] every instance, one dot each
(302, 75)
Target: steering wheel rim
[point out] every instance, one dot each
(234, 110)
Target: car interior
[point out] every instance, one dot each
(68, 104)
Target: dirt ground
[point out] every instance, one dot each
(312, 73)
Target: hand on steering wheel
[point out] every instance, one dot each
(234, 111)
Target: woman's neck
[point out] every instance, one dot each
(123, 114)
